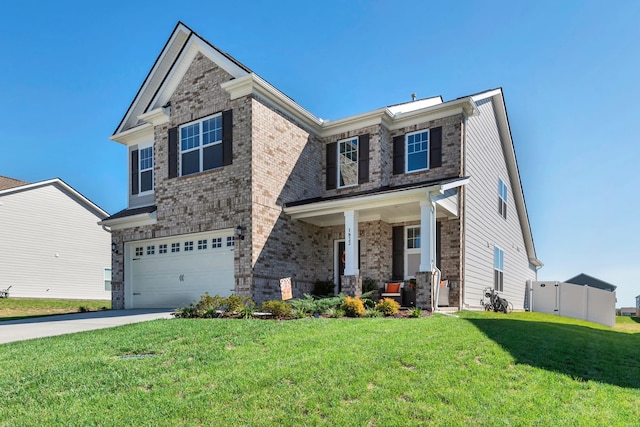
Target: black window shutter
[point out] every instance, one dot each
(134, 172)
(173, 152)
(397, 264)
(398, 154)
(363, 158)
(227, 137)
(435, 147)
(332, 171)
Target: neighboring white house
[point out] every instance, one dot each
(51, 245)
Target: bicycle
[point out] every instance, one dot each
(495, 302)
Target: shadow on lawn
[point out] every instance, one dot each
(578, 351)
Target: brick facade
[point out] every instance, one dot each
(277, 161)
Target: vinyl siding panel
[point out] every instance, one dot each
(484, 226)
(52, 246)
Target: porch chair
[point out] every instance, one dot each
(392, 290)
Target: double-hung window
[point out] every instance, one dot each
(201, 145)
(146, 169)
(498, 269)
(417, 152)
(502, 198)
(348, 162)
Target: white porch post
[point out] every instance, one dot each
(351, 243)
(427, 234)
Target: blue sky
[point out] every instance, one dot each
(569, 70)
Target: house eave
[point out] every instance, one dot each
(133, 134)
(130, 221)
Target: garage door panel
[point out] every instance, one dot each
(171, 280)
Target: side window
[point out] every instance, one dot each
(107, 279)
(502, 198)
(146, 169)
(498, 269)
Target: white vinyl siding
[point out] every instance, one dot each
(52, 246)
(484, 228)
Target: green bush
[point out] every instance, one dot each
(334, 313)
(353, 307)
(415, 312)
(325, 304)
(369, 285)
(368, 302)
(372, 312)
(304, 306)
(277, 308)
(235, 303)
(388, 306)
(208, 304)
(323, 288)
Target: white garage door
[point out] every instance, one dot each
(174, 272)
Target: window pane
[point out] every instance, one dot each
(212, 157)
(190, 137)
(191, 162)
(212, 130)
(146, 181)
(146, 158)
(348, 162)
(417, 161)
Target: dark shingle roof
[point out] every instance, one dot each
(585, 279)
(130, 212)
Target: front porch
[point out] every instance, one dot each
(403, 235)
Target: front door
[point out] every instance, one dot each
(339, 263)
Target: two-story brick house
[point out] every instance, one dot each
(234, 186)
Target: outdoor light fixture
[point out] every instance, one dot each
(114, 247)
(239, 232)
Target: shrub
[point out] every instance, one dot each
(372, 312)
(415, 312)
(185, 312)
(353, 307)
(388, 306)
(325, 304)
(368, 303)
(235, 303)
(305, 306)
(277, 308)
(334, 313)
(323, 288)
(246, 312)
(369, 285)
(209, 303)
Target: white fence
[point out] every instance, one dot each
(576, 301)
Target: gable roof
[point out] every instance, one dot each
(6, 182)
(168, 69)
(57, 182)
(504, 129)
(585, 279)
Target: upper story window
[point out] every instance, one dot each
(201, 145)
(498, 269)
(413, 237)
(146, 169)
(142, 170)
(348, 162)
(502, 198)
(417, 151)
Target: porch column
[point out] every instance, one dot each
(427, 234)
(351, 243)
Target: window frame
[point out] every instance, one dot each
(201, 145)
(498, 268)
(415, 250)
(339, 163)
(503, 192)
(149, 169)
(426, 150)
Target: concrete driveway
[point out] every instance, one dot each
(38, 327)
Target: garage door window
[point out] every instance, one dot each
(188, 246)
(139, 251)
(151, 250)
(202, 244)
(230, 241)
(162, 249)
(216, 242)
(175, 247)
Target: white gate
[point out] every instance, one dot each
(576, 301)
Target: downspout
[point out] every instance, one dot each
(437, 273)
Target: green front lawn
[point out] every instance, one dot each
(476, 369)
(19, 308)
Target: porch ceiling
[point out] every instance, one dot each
(391, 207)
